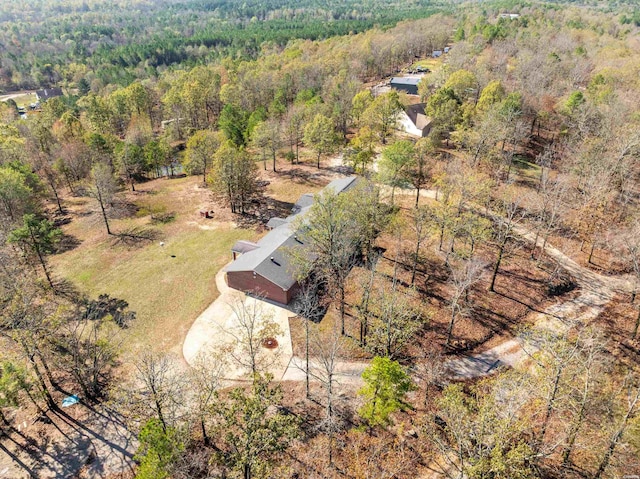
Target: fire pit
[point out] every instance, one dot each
(270, 343)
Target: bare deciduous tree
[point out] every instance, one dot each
(421, 222)
(253, 325)
(91, 347)
(630, 406)
(204, 378)
(328, 349)
(629, 248)
(464, 274)
(103, 188)
(161, 388)
(509, 215)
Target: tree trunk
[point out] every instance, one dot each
(365, 308)
(330, 416)
(550, 404)
(342, 301)
(575, 428)
(274, 161)
(104, 213)
(160, 415)
(306, 367)
(41, 381)
(4, 418)
(71, 190)
(451, 323)
(636, 326)
(509, 168)
(593, 247)
(535, 244)
(55, 194)
(318, 160)
(417, 195)
(41, 258)
(496, 268)
(415, 263)
(477, 153)
(205, 437)
(48, 373)
(104, 217)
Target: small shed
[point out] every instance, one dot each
(436, 53)
(406, 84)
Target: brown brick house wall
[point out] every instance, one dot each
(247, 282)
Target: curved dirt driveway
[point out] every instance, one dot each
(596, 292)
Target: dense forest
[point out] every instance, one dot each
(93, 44)
(104, 43)
(468, 309)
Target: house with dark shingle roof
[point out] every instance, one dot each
(44, 95)
(265, 267)
(414, 120)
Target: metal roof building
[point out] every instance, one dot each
(407, 84)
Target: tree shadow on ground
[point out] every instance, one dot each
(121, 209)
(266, 209)
(87, 431)
(65, 288)
(67, 243)
(135, 237)
(20, 463)
(300, 175)
(61, 219)
(342, 169)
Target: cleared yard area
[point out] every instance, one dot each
(21, 99)
(167, 286)
(430, 63)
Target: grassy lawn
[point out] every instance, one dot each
(25, 100)
(292, 191)
(167, 286)
(430, 63)
(293, 181)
